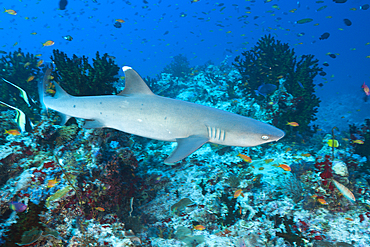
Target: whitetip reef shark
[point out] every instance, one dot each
(137, 110)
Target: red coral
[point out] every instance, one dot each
(325, 169)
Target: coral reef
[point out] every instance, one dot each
(272, 62)
(79, 78)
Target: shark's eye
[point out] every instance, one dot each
(265, 137)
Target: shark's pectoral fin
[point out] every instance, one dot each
(186, 146)
(93, 124)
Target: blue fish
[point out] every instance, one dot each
(18, 206)
(266, 89)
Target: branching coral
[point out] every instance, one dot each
(272, 62)
(79, 78)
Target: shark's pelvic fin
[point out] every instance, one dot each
(186, 146)
(134, 84)
(93, 124)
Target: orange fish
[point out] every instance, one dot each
(350, 219)
(285, 167)
(13, 132)
(52, 183)
(306, 155)
(120, 20)
(100, 209)
(49, 90)
(30, 78)
(358, 142)
(245, 157)
(366, 89)
(294, 124)
(39, 63)
(48, 43)
(10, 11)
(238, 193)
(322, 201)
(199, 227)
(288, 149)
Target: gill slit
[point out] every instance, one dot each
(216, 134)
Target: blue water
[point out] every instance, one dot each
(154, 32)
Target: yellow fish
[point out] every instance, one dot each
(13, 132)
(39, 63)
(238, 193)
(199, 227)
(294, 124)
(48, 43)
(10, 11)
(120, 20)
(245, 157)
(322, 201)
(27, 64)
(30, 78)
(285, 167)
(358, 142)
(333, 143)
(52, 183)
(100, 209)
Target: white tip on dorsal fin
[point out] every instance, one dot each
(134, 83)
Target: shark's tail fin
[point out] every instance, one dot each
(42, 86)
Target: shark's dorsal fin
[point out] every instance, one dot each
(186, 146)
(59, 91)
(134, 83)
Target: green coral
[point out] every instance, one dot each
(79, 78)
(270, 62)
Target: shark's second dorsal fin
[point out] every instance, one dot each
(134, 83)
